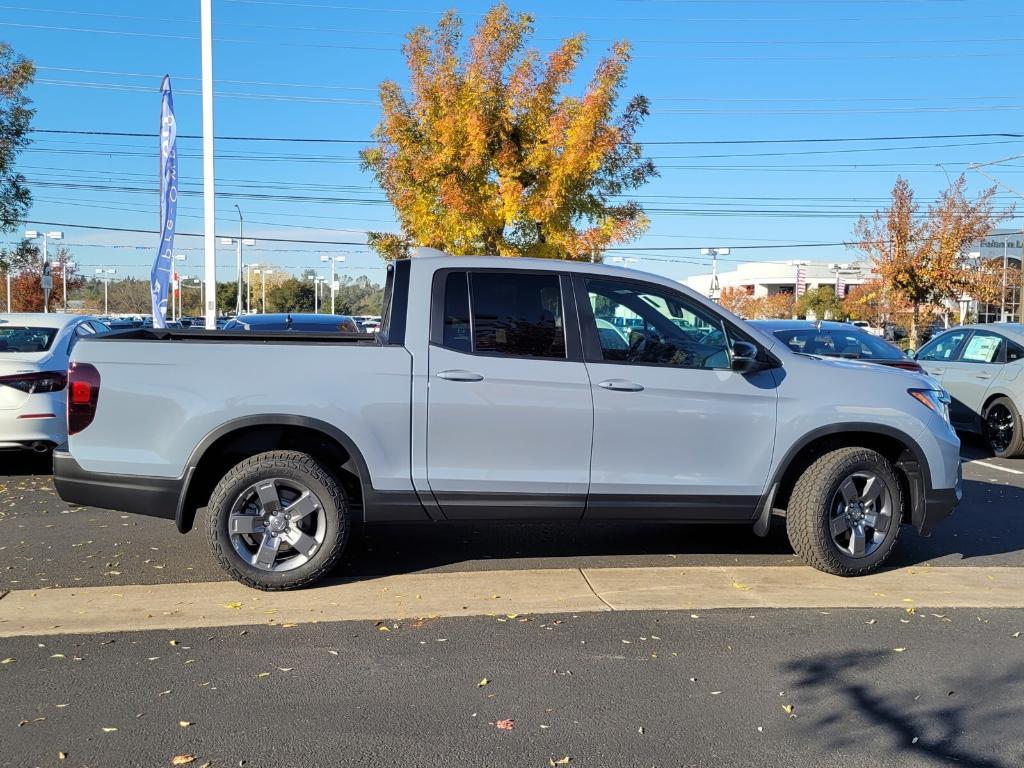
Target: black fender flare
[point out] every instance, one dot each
(185, 515)
(915, 468)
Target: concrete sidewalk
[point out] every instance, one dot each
(173, 606)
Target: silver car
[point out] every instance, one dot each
(980, 366)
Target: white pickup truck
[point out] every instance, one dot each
(504, 389)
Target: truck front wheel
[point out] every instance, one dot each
(845, 511)
(278, 520)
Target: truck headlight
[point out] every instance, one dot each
(936, 399)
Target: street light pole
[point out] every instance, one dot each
(64, 266)
(334, 260)
(46, 237)
(209, 185)
(106, 273)
(248, 288)
(714, 290)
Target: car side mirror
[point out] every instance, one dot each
(744, 358)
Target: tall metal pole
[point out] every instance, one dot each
(45, 267)
(238, 307)
(64, 282)
(263, 289)
(209, 187)
(106, 282)
(9, 290)
(248, 289)
(332, 285)
(1003, 306)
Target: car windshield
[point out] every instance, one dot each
(26, 339)
(832, 342)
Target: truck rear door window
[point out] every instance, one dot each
(517, 314)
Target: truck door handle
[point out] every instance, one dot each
(982, 376)
(457, 375)
(621, 385)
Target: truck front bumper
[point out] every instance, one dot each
(138, 494)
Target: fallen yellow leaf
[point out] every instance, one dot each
(237, 606)
(109, 730)
(899, 650)
(263, 674)
(560, 761)
(184, 723)
(788, 708)
(8, 660)
(182, 759)
(482, 683)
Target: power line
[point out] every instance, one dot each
(681, 142)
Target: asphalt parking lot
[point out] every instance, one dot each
(808, 686)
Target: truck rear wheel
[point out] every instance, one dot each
(845, 512)
(278, 520)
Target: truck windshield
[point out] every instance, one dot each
(25, 339)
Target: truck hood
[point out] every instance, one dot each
(845, 367)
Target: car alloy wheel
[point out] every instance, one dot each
(999, 427)
(861, 513)
(277, 524)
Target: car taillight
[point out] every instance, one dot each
(34, 383)
(83, 395)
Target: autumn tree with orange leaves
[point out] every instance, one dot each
(922, 259)
(486, 155)
(773, 307)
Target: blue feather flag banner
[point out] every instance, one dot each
(161, 274)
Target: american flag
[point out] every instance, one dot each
(801, 279)
(840, 286)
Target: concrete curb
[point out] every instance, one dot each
(177, 606)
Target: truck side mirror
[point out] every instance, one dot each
(744, 357)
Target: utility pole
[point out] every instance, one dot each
(106, 273)
(334, 283)
(209, 186)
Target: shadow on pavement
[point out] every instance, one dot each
(938, 724)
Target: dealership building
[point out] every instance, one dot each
(767, 278)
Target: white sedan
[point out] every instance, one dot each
(34, 354)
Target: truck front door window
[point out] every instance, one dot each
(655, 327)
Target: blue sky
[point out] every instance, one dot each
(765, 71)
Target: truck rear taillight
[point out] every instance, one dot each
(35, 383)
(83, 395)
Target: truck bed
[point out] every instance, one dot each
(276, 337)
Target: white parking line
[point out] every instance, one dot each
(989, 465)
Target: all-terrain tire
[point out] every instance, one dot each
(808, 515)
(279, 464)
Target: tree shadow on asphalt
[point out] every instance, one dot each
(948, 717)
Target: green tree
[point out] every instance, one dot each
(227, 297)
(488, 156)
(290, 295)
(822, 302)
(16, 74)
